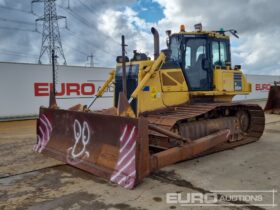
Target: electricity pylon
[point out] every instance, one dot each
(50, 35)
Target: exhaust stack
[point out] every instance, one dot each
(156, 42)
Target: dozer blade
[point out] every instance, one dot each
(112, 147)
(273, 101)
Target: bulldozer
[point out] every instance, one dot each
(175, 107)
(273, 102)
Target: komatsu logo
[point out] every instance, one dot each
(65, 89)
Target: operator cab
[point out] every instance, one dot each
(197, 53)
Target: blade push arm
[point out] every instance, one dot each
(104, 87)
(156, 65)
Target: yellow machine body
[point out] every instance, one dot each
(158, 87)
(168, 87)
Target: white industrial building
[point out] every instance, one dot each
(25, 87)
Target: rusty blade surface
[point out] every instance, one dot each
(273, 101)
(124, 108)
(107, 146)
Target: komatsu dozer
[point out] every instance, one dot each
(273, 102)
(175, 107)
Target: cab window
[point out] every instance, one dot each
(223, 53)
(175, 48)
(215, 53)
(188, 57)
(219, 53)
(200, 50)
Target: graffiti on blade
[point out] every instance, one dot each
(82, 137)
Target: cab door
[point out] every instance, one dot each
(198, 75)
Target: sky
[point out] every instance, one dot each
(95, 27)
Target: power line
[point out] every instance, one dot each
(19, 10)
(85, 22)
(86, 6)
(89, 43)
(20, 22)
(16, 21)
(86, 43)
(79, 51)
(93, 26)
(15, 54)
(21, 54)
(18, 29)
(76, 16)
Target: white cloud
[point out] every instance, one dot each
(135, 29)
(257, 21)
(260, 52)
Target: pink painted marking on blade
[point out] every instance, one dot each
(127, 155)
(123, 134)
(36, 146)
(126, 144)
(47, 121)
(125, 171)
(46, 127)
(130, 184)
(44, 133)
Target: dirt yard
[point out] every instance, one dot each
(32, 181)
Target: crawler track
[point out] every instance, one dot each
(213, 115)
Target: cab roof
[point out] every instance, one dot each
(213, 34)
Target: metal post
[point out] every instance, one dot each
(124, 67)
(53, 72)
(90, 57)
